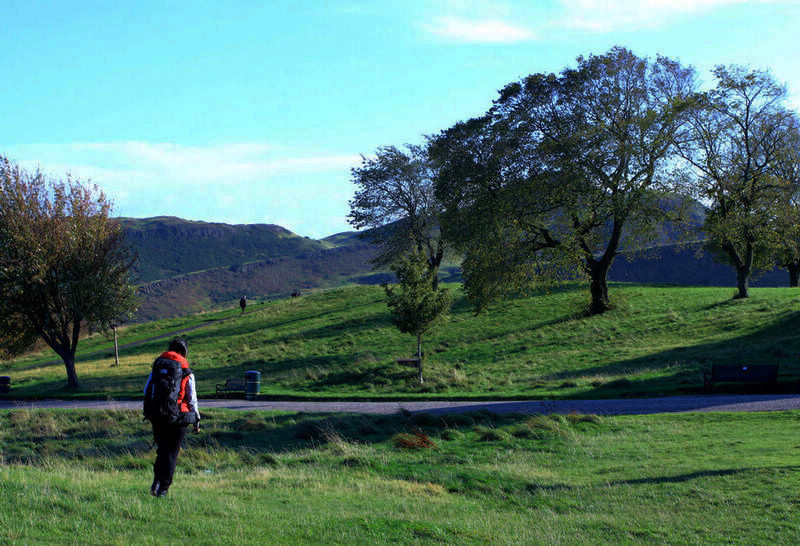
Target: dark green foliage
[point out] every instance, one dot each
(739, 131)
(417, 307)
(395, 198)
(562, 173)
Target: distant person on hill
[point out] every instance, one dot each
(170, 404)
(243, 303)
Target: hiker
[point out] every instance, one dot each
(243, 303)
(170, 404)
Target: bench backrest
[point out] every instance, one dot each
(235, 383)
(744, 372)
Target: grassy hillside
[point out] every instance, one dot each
(169, 246)
(81, 476)
(188, 267)
(342, 344)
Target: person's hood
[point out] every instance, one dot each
(177, 357)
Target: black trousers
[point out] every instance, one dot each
(168, 440)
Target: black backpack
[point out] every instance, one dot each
(161, 398)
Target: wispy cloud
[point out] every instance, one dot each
(522, 21)
(244, 182)
(228, 163)
(610, 15)
(458, 29)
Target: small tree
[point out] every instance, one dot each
(63, 263)
(738, 132)
(395, 198)
(417, 307)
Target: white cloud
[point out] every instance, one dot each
(459, 29)
(520, 21)
(609, 15)
(241, 183)
(144, 161)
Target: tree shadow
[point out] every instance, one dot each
(770, 344)
(689, 476)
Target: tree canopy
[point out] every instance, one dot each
(563, 172)
(395, 198)
(63, 263)
(738, 131)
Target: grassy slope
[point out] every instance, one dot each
(72, 476)
(341, 343)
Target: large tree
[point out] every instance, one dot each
(395, 200)
(786, 171)
(564, 172)
(738, 131)
(63, 263)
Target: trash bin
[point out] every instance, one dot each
(252, 384)
(5, 384)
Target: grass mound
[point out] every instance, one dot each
(342, 344)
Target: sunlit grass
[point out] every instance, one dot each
(341, 343)
(257, 477)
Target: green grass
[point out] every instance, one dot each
(341, 344)
(82, 477)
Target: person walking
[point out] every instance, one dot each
(170, 404)
(243, 303)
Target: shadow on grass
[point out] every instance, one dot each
(680, 478)
(37, 436)
(774, 343)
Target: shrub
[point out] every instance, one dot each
(414, 440)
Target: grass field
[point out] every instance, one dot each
(83, 477)
(342, 344)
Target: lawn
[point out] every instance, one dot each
(258, 477)
(341, 344)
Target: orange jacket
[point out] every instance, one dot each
(183, 403)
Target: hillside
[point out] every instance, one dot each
(267, 279)
(341, 343)
(169, 246)
(187, 267)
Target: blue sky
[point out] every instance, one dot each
(254, 112)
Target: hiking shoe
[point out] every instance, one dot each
(155, 489)
(162, 492)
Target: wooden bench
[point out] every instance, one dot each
(412, 362)
(762, 373)
(230, 385)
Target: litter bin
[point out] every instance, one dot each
(252, 384)
(5, 384)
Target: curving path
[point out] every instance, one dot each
(634, 406)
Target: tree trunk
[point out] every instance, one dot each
(72, 377)
(794, 274)
(743, 282)
(433, 266)
(598, 287)
(419, 358)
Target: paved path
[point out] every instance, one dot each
(637, 406)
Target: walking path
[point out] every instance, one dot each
(634, 406)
